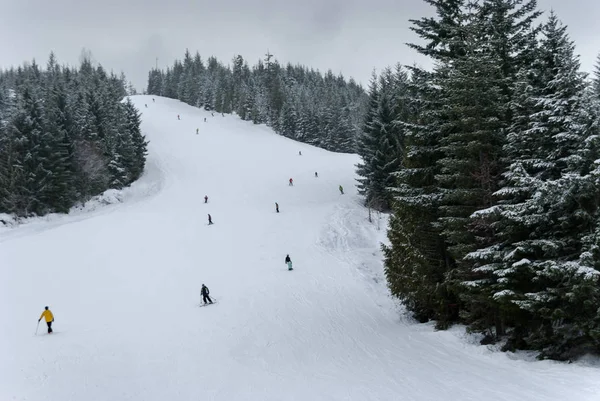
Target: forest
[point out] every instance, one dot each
(66, 135)
(323, 110)
(488, 165)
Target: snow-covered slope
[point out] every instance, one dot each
(123, 282)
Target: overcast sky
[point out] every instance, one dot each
(347, 36)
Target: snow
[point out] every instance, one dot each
(123, 275)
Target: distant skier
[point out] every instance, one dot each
(209, 220)
(277, 207)
(178, 117)
(316, 175)
(197, 131)
(205, 293)
(152, 100)
(222, 114)
(205, 198)
(291, 182)
(300, 153)
(341, 190)
(49, 317)
(288, 262)
(212, 114)
(204, 119)
(146, 105)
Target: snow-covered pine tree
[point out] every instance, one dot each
(343, 139)
(510, 30)
(89, 162)
(28, 168)
(381, 143)
(60, 189)
(472, 135)
(186, 85)
(596, 77)
(138, 141)
(367, 140)
(535, 275)
(494, 38)
(288, 121)
(7, 101)
(416, 262)
(388, 155)
(155, 82)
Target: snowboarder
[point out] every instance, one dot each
(205, 198)
(49, 317)
(288, 262)
(205, 293)
(178, 117)
(277, 207)
(209, 220)
(197, 129)
(316, 175)
(291, 182)
(342, 190)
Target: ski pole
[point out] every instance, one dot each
(36, 327)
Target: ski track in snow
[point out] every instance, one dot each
(124, 284)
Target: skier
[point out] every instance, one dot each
(49, 317)
(300, 153)
(277, 207)
(205, 293)
(342, 190)
(197, 131)
(222, 114)
(291, 182)
(152, 100)
(178, 117)
(212, 114)
(288, 262)
(209, 220)
(205, 198)
(146, 105)
(316, 175)
(204, 119)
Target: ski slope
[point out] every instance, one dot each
(124, 281)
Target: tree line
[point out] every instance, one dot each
(65, 135)
(300, 103)
(489, 163)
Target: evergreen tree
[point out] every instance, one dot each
(471, 142)
(535, 276)
(366, 143)
(64, 136)
(417, 263)
(28, 169)
(596, 77)
(381, 144)
(138, 141)
(58, 125)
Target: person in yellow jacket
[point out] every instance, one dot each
(47, 314)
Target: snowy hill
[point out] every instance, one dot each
(124, 284)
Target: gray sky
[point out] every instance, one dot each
(347, 36)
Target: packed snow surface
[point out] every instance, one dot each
(123, 279)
